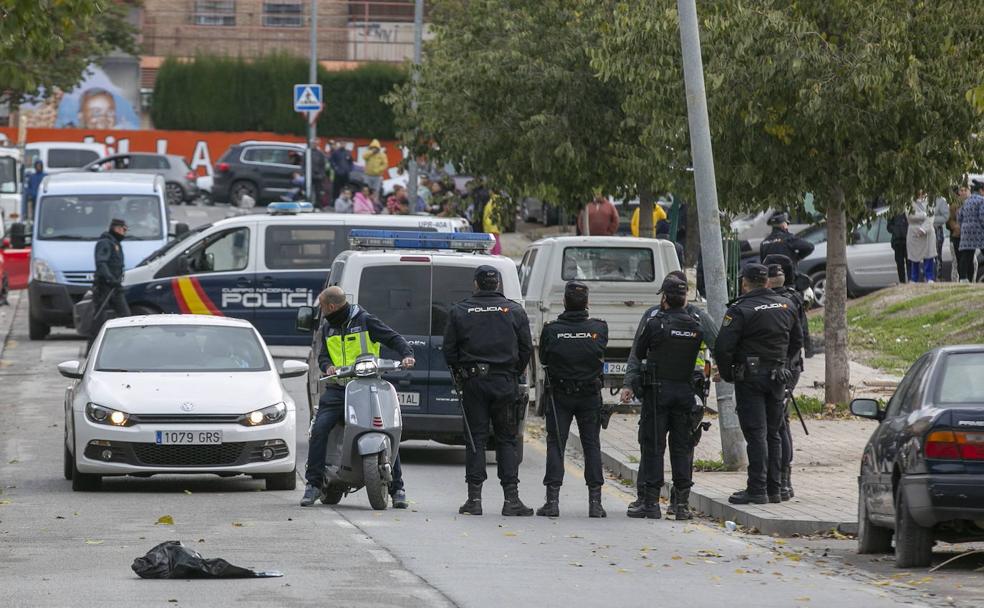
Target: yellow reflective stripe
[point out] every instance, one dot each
(191, 298)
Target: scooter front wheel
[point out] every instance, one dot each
(376, 486)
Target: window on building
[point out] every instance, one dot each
(283, 14)
(214, 12)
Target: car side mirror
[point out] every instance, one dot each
(293, 369)
(866, 408)
(305, 319)
(70, 369)
(183, 264)
(180, 229)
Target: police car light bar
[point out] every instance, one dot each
(480, 242)
(289, 208)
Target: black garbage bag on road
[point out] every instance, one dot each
(171, 559)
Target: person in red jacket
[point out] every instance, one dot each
(602, 217)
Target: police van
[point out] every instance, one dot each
(410, 281)
(256, 267)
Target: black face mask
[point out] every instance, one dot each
(339, 316)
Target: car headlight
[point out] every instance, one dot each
(268, 415)
(40, 271)
(366, 368)
(106, 415)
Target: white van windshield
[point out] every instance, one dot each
(84, 218)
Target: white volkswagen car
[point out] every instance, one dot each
(179, 394)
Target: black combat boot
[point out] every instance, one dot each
(472, 506)
(551, 508)
(681, 508)
(513, 506)
(595, 509)
(744, 497)
(786, 485)
(640, 496)
(649, 509)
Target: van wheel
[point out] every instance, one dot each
(913, 543)
(36, 330)
(872, 539)
(376, 486)
(281, 481)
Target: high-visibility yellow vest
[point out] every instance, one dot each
(344, 348)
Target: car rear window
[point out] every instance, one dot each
(450, 285)
(148, 162)
(962, 380)
(65, 158)
(619, 264)
(399, 296)
(277, 156)
(181, 348)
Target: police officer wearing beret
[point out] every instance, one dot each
(780, 269)
(759, 333)
(671, 340)
(781, 241)
(572, 350)
(107, 292)
(487, 345)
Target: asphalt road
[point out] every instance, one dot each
(63, 548)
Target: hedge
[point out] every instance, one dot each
(229, 94)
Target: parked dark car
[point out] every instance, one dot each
(262, 170)
(922, 472)
(180, 182)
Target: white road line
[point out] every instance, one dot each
(341, 523)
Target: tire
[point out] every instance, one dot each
(332, 495)
(84, 482)
(872, 539)
(68, 463)
(173, 193)
(242, 188)
(913, 543)
(819, 280)
(376, 486)
(281, 481)
(36, 330)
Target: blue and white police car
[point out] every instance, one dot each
(260, 268)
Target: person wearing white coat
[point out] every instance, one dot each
(920, 240)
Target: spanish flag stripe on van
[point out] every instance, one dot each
(191, 297)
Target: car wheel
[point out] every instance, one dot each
(68, 463)
(871, 538)
(281, 481)
(173, 193)
(36, 330)
(243, 188)
(819, 280)
(913, 543)
(84, 482)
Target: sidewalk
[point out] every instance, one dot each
(825, 468)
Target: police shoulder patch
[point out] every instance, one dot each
(727, 320)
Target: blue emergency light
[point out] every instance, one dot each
(289, 208)
(480, 242)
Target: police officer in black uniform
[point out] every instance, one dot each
(781, 241)
(487, 345)
(759, 333)
(780, 281)
(671, 340)
(107, 292)
(572, 350)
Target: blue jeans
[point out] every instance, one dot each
(330, 411)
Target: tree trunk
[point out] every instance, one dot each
(837, 374)
(646, 202)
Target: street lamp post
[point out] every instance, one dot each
(312, 119)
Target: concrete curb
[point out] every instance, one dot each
(7, 316)
(718, 507)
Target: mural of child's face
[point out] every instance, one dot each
(98, 112)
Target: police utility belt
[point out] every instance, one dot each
(757, 366)
(573, 387)
(480, 370)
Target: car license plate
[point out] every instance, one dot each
(615, 369)
(189, 437)
(409, 399)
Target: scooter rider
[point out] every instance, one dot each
(781, 241)
(348, 332)
(572, 350)
(487, 345)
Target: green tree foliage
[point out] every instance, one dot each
(232, 94)
(46, 44)
(849, 100)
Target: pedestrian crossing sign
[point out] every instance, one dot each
(307, 97)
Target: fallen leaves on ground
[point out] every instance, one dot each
(89, 541)
(165, 520)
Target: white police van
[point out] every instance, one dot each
(410, 281)
(256, 267)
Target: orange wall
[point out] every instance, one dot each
(201, 149)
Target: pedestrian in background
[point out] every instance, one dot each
(344, 202)
(362, 202)
(602, 217)
(759, 334)
(971, 217)
(341, 166)
(663, 234)
(920, 240)
(397, 203)
(487, 346)
(572, 350)
(492, 214)
(376, 163)
(107, 282)
(941, 214)
(658, 214)
(898, 227)
(960, 194)
(31, 190)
